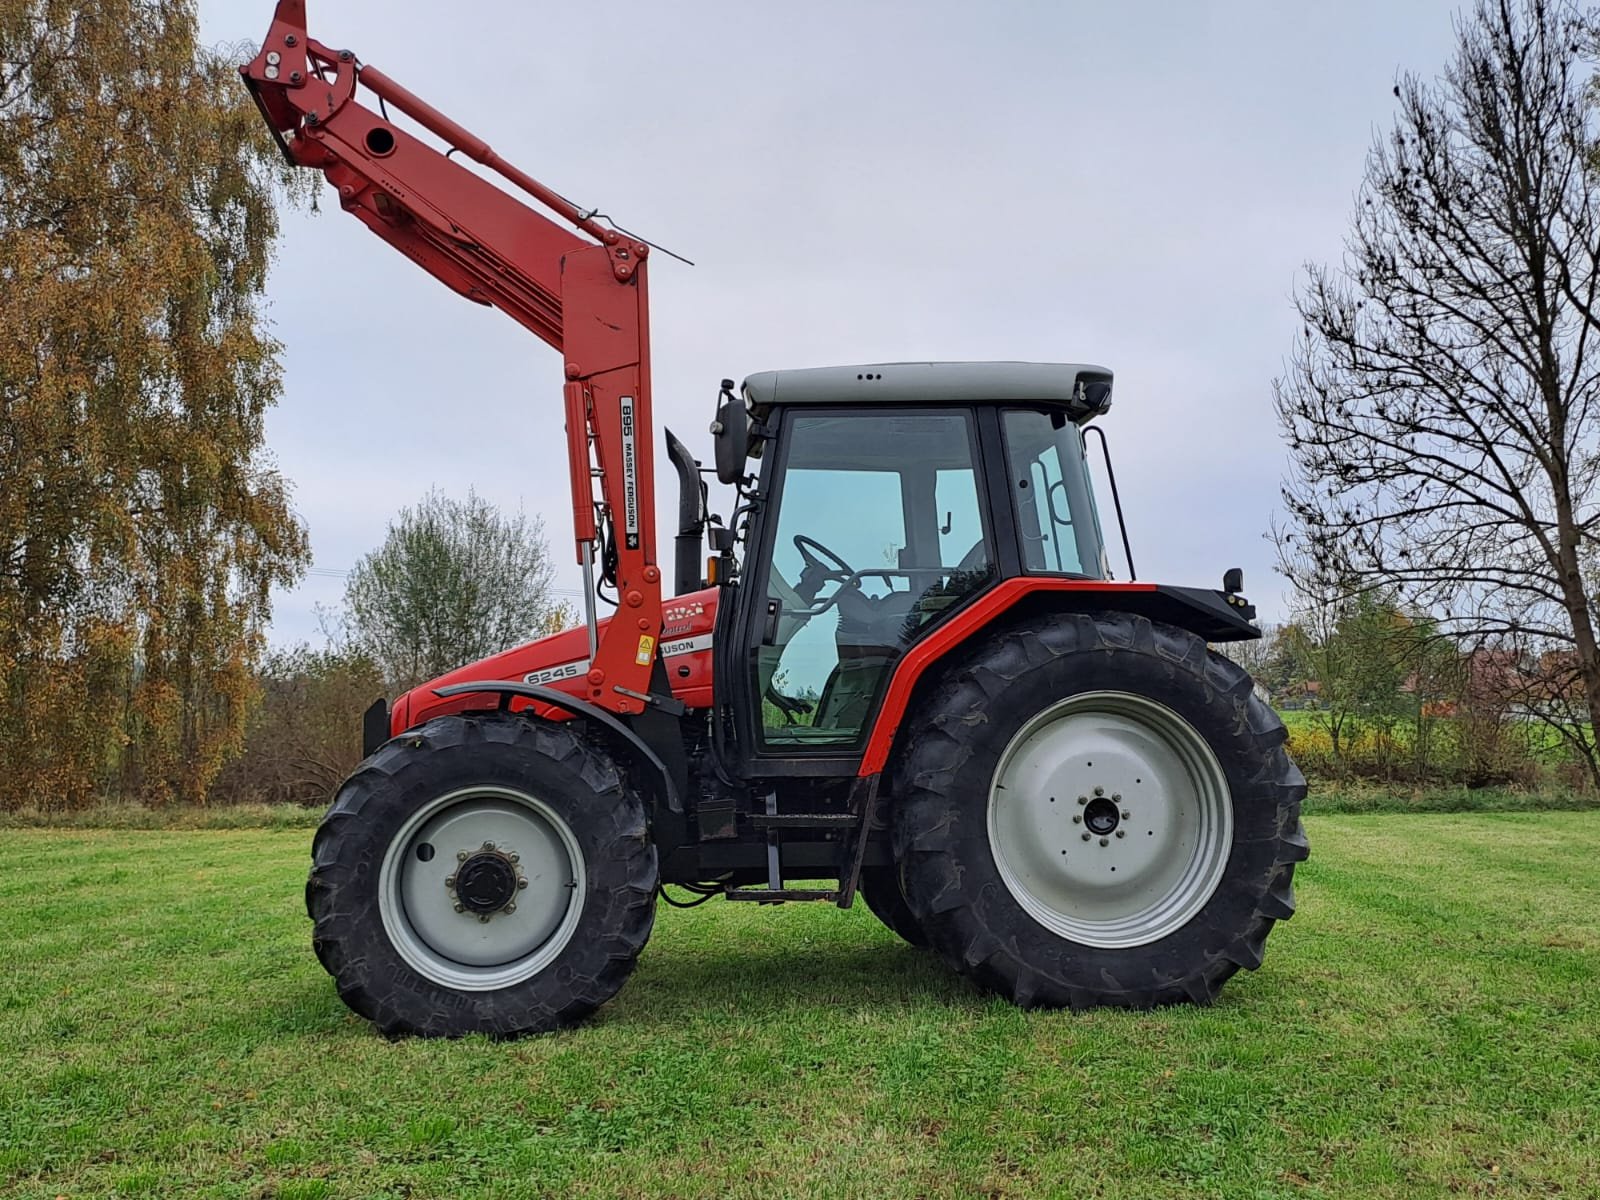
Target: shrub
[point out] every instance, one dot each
(304, 736)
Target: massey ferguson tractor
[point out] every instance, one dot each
(902, 671)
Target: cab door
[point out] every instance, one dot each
(872, 531)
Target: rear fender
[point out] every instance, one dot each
(1212, 615)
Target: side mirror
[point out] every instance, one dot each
(1233, 581)
(731, 435)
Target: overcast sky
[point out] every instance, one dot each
(1136, 185)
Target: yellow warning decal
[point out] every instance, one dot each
(647, 650)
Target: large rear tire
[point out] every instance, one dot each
(1097, 810)
(487, 874)
(879, 888)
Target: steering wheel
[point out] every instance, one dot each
(816, 554)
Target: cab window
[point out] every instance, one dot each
(1053, 500)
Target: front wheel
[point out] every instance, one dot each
(1099, 812)
(482, 875)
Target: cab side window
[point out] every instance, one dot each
(1052, 498)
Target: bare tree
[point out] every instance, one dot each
(1443, 403)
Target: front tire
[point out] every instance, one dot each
(1147, 879)
(482, 874)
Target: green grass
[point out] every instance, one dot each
(172, 816)
(1327, 796)
(1428, 1026)
(1359, 796)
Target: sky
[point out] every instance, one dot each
(1137, 185)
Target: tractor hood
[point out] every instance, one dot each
(562, 661)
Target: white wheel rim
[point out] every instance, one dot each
(453, 945)
(1110, 819)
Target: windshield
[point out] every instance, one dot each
(1056, 518)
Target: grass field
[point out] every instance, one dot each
(1428, 1026)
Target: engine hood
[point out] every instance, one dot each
(561, 661)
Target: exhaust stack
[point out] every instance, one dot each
(689, 544)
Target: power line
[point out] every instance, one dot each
(341, 573)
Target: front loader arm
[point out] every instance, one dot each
(585, 296)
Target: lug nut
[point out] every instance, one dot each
(1126, 814)
(522, 883)
(488, 845)
(483, 918)
(1099, 791)
(511, 906)
(1076, 819)
(461, 856)
(450, 881)
(461, 908)
(1086, 837)
(1122, 833)
(1116, 797)
(516, 858)
(1105, 841)
(1083, 799)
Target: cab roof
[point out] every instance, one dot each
(937, 382)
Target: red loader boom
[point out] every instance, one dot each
(584, 295)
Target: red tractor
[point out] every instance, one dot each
(904, 666)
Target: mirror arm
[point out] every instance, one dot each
(1116, 499)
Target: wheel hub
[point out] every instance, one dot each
(486, 882)
(1101, 816)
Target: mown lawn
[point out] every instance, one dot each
(1428, 1026)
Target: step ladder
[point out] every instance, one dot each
(863, 804)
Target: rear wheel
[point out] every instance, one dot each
(1100, 811)
(487, 875)
(880, 889)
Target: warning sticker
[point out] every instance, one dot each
(647, 650)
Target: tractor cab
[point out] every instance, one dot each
(885, 498)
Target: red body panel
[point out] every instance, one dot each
(972, 619)
(561, 661)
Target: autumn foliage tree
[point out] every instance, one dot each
(141, 522)
(1443, 404)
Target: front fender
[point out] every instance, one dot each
(581, 710)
